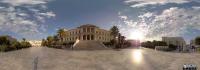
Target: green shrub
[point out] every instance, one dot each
(3, 48)
(198, 49)
(172, 47)
(14, 45)
(4, 40)
(25, 44)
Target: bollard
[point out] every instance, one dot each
(35, 63)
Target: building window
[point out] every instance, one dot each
(92, 37)
(84, 29)
(88, 29)
(88, 37)
(92, 29)
(84, 37)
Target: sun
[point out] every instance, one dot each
(137, 35)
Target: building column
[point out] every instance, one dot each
(80, 37)
(86, 30)
(90, 37)
(90, 29)
(86, 36)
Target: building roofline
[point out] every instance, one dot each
(88, 25)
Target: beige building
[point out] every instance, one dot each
(88, 32)
(35, 43)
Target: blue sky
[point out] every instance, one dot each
(36, 19)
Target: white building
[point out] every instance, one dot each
(192, 43)
(177, 41)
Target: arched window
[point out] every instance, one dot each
(88, 37)
(92, 37)
(84, 37)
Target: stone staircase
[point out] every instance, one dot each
(88, 45)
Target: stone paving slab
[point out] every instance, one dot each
(57, 59)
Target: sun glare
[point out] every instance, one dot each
(137, 35)
(137, 56)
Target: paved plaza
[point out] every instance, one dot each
(125, 59)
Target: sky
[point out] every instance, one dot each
(152, 19)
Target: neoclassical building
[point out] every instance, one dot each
(88, 32)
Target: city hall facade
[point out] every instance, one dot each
(88, 32)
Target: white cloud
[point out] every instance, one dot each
(24, 2)
(48, 14)
(123, 17)
(141, 3)
(19, 20)
(171, 22)
(196, 7)
(146, 15)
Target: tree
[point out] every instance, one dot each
(162, 43)
(147, 44)
(197, 40)
(7, 43)
(24, 39)
(3, 48)
(114, 32)
(15, 45)
(61, 34)
(121, 41)
(4, 40)
(25, 44)
(153, 44)
(172, 47)
(159, 43)
(50, 40)
(44, 42)
(56, 38)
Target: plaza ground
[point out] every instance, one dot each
(125, 59)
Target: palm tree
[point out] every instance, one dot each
(49, 40)
(24, 39)
(61, 34)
